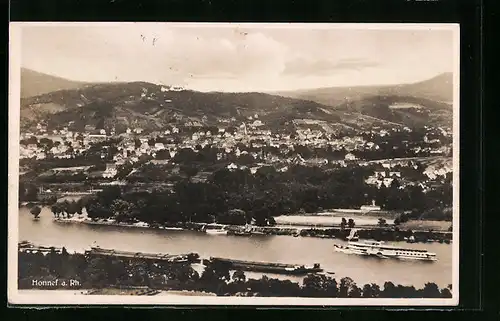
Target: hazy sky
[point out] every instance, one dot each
(237, 58)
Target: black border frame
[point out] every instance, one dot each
(468, 13)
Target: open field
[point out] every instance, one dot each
(328, 220)
(426, 225)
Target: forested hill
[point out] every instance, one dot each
(151, 106)
(35, 83)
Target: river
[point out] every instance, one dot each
(285, 249)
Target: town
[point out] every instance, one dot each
(66, 161)
(100, 154)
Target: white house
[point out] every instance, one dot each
(232, 166)
(159, 146)
(350, 157)
(40, 155)
(398, 174)
(257, 123)
(110, 171)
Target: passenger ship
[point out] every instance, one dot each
(378, 249)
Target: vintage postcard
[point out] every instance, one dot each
(234, 164)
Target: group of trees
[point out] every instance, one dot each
(261, 195)
(28, 192)
(97, 272)
(65, 208)
(68, 208)
(165, 207)
(349, 224)
(413, 197)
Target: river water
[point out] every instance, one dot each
(284, 249)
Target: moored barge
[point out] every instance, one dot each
(278, 268)
(170, 258)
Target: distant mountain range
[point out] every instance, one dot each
(146, 105)
(439, 88)
(34, 83)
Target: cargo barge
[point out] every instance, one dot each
(278, 268)
(28, 247)
(169, 258)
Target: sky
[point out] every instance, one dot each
(233, 57)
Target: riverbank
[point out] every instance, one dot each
(142, 291)
(133, 276)
(365, 232)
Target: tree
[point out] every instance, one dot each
(51, 200)
(354, 292)
(389, 290)
(312, 285)
(190, 171)
(71, 208)
(185, 274)
(185, 156)
(239, 276)
(108, 195)
(96, 273)
(79, 206)
(431, 290)
(56, 209)
(446, 293)
(343, 223)
(28, 193)
(371, 291)
(346, 285)
(246, 159)
(215, 276)
(36, 210)
(234, 217)
(122, 210)
(96, 209)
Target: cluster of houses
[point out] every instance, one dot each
(252, 132)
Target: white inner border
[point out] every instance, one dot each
(58, 298)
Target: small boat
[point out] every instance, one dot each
(216, 232)
(410, 239)
(25, 244)
(379, 250)
(172, 228)
(241, 233)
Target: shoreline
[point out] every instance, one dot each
(365, 232)
(135, 291)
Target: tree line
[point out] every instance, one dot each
(261, 196)
(100, 272)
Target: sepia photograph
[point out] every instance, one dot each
(233, 164)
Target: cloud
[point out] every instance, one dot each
(234, 58)
(303, 67)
